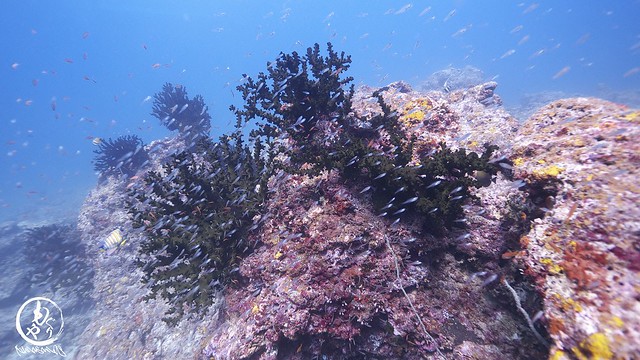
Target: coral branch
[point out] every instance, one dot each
(524, 313)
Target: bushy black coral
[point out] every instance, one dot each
(176, 111)
(197, 213)
(297, 93)
(123, 156)
(304, 99)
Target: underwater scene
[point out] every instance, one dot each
(322, 180)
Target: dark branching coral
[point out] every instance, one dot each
(123, 156)
(197, 213)
(314, 113)
(296, 95)
(176, 111)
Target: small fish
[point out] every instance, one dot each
(412, 200)
(380, 176)
(426, 10)
(523, 40)
(85, 34)
(113, 242)
(458, 189)
(183, 108)
(388, 206)
(538, 53)
(156, 66)
(365, 189)
(399, 211)
(97, 141)
(508, 53)
(14, 66)
(404, 9)
(463, 237)
(446, 87)
(400, 190)
(632, 71)
(451, 14)
(434, 184)
(516, 29)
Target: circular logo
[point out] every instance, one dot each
(39, 321)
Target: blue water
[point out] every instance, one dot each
(95, 60)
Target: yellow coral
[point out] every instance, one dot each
(552, 267)
(633, 116)
(596, 347)
(416, 115)
(277, 255)
(518, 161)
(557, 355)
(549, 171)
(616, 321)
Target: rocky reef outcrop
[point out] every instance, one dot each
(540, 262)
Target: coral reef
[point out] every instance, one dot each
(176, 111)
(122, 156)
(321, 239)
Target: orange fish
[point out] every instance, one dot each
(14, 66)
(84, 56)
(68, 61)
(53, 104)
(34, 82)
(562, 71)
(512, 254)
(156, 65)
(635, 70)
(85, 34)
(144, 46)
(28, 102)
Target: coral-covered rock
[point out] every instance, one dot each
(580, 160)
